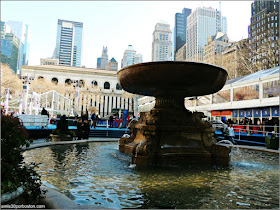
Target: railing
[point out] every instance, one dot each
(264, 129)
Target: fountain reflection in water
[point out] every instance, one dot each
(98, 174)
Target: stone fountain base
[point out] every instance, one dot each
(170, 135)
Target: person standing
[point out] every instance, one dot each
(94, 120)
(80, 128)
(86, 129)
(116, 121)
(111, 120)
(120, 122)
(231, 133)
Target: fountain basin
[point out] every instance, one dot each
(172, 78)
(98, 174)
(169, 123)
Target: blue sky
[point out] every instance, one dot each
(114, 24)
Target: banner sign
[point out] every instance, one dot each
(275, 111)
(241, 113)
(257, 112)
(235, 113)
(249, 113)
(266, 112)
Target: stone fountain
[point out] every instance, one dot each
(170, 134)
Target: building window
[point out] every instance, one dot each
(271, 89)
(94, 84)
(68, 82)
(55, 80)
(118, 87)
(246, 93)
(106, 85)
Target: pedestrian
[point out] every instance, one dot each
(116, 121)
(111, 120)
(127, 120)
(79, 128)
(94, 120)
(120, 122)
(44, 112)
(86, 129)
(230, 132)
(84, 116)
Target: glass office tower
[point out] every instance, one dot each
(68, 48)
(202, 23)
(20, 30)
(9, 48)
(180, 29)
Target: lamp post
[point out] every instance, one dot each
(7, 100)
(20, 104)
(76, 86)
(26, 83)
(136, 106)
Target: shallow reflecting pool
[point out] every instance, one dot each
(98, 174)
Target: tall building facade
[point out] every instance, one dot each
(181, 53)
(69, 39)
(180, 30)
(214, 48)
(49, 61)
(98, 63)
(138, 58)
(202, 23)
(20, 30)
(112, 65)
(130, 57)
(103, 60)
(10, 44)
(264, 34)
(162, 44)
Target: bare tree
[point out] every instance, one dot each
(263, 56)
(10, 80)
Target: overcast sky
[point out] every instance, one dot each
(115, 24)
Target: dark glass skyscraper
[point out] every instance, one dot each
(180, 29)
(69, 43)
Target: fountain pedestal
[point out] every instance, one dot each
(170, 134)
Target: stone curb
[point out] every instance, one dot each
(37, 145)
(56, 200)
(252, 148)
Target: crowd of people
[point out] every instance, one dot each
(265, 124)
(249, 126)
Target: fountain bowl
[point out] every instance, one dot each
(172, 78)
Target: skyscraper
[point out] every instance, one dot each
(264, 33)
(69, 43)
(130, 57)
(20, 30)
(9, 48)
(112, 65)
(103, 60)
(98, 66)
(202, 23)
(180, 30)
(162, 44)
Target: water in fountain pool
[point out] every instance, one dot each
(98, 174)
